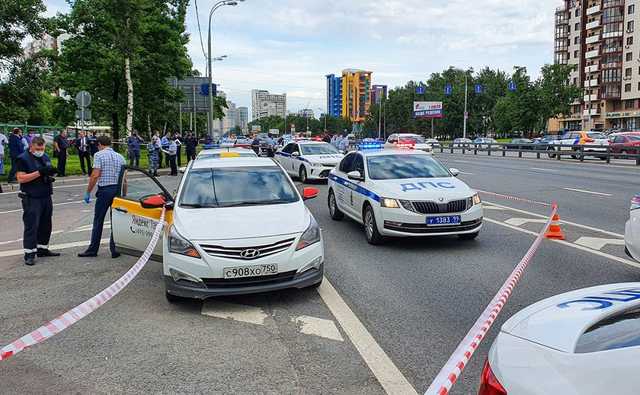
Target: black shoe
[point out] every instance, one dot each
(30, 259)
(87, 254)
(115, 255)
(42, 252)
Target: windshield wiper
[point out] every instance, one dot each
(262, 203)
(194, 205)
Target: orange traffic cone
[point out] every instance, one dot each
(555, 232)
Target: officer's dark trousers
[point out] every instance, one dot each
(179, 155)
(62, 162)
(14, 169)
(36, 217)
(134, 158)
(85, 157)
(172, 164)
(104, 199)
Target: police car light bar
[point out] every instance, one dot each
(369, 146)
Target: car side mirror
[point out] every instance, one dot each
(355, 175)
(454, 172)
(296, 154)
(153, 201)
(310, 193)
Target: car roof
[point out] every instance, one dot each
(214, 163)
(215, 151)
(311, 142)
(385, 152)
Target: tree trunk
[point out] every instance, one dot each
(127, 76)
(115, 122)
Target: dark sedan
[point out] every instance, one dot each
(520, 143)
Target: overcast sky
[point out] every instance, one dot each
(288, 46)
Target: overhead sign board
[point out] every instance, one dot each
(195, 91)
(427, 109)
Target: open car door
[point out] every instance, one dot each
(136, 210)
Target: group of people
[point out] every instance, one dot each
(167, 149)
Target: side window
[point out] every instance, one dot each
(136, 185)
(358, 164)
(288, 149)
(393, 139)
(347, 163)
(295, 148)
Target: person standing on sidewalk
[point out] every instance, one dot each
(16, 148)
(93, 143)
(133, 149)
(179, 141)
(153, 149)
(107, 165)
(164, 143)
(35, 175)
(191, 143)
(82, 145)
(60, 145)
(170, 154)
(3, 141)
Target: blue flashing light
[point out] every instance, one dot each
(368, 146)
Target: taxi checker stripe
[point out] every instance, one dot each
(74, 315)
(449, 374)
(354, 187)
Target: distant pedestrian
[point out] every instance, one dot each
(35, 175)
(179, 142)
(133, 149)
(60, 145)
(84, 152)
(153, 149)
(170, 154)
(16, 148)
(93, 144)
(164, 143)
(107, 167)
(191, 144)
(4, 141)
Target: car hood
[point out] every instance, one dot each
(446, 188)
(210, 224)
(558, 322)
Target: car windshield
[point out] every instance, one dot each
(234, 187)
(597, 135)
(397, 167)
(318, 149)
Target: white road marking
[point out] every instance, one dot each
(597, 243)
(568, 244)
(606, 232)
(236, 312)
(63, 246)
(318, 327)
(541, 169)
(588, 192)
(55, 205)
(488, 207)
(382, 367)
(522, 221)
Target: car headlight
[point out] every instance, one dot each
(635, 203)
(310, 236)
(180, 245)
(476, 199)
(389, 203)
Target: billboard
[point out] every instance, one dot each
(427, 109)
(196, 93)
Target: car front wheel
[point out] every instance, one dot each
(303, 175)
(371, 228)
(334, 211)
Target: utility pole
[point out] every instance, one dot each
(466, 99)
(380, 119)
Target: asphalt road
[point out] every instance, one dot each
(416, 297)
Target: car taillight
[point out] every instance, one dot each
(489, 384)
(406, 144)
(635, 203)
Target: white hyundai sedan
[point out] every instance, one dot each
(403, 193)
(585, 342)
(632, 230)
(237, 226)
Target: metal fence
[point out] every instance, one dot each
(552, 151)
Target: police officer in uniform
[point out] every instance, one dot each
(35, 175)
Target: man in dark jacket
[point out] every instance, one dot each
(84, 152)
(60, 145)
(16, 148)
(191, 144)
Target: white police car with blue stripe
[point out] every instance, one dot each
(308, 160)
(583, 342)
(403, 193)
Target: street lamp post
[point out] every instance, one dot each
(210, 60)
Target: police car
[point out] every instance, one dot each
(632, 230)
(238, 225)
(583, 342)
(308, 160)
(230, 150)
(403, 193)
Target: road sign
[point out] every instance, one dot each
(420, 90)
(448, 89)
(427, 109)
(512, 86)
(204, 89)
(83, 115)
(83, 99)
(479, 88)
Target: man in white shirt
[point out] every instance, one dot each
(3, 141)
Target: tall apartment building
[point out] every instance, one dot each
(265, 104)
(356, 94)
(334, 95)
(599, 38)
(243, 119)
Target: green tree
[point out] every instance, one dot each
(18, 19)
(555, 92)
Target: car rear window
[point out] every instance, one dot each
(619, 331)
(597, 136)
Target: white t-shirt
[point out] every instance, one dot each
(3, 141)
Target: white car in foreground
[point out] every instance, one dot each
(632, 230)
(408, 140)
(308, 160)
(237, 226)
(585, 342)
(403, 193)
(231, 151)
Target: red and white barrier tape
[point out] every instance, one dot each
(74, 315)
(452, 370)
(515, 198)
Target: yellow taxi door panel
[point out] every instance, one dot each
(133, 225)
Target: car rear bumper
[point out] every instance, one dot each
(217, 287)
(632, 240)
